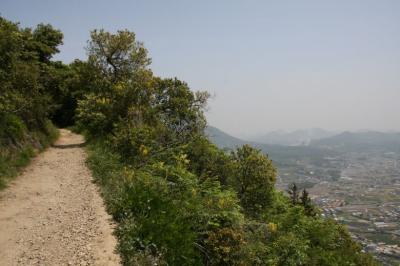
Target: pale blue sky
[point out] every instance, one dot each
(270, 64)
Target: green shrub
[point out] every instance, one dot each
(164, 211)
(12, 130)
(15, 155)
(254, 179)
(160, 208)
(25, 93)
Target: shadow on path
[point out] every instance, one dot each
(69, 146)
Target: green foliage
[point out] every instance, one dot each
(293, 193)
(165, 212)
(46, 40)
(12, 160)
(180, 109)
(24, 68)
(118, 55)
(209, 162)
(177, 199)
(254, 179)
(23, 146)
(25, 99)
(309, 207)
(221, 229)
(155, 211)
(93, 113)
(13, 129)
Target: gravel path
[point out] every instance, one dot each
(52, 213)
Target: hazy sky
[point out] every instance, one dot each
(269, 64)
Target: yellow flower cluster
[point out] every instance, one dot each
(103, 100)
(144, 150)
(272, 227)
(119, 86)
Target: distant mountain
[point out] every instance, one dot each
(361, 141)
(294, 138)
(323, 154)
(280, 154)
(222, 139)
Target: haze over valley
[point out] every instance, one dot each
(353, 176)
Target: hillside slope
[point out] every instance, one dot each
(361, 141)
(294, 138)
(223, 139)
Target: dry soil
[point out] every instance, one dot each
(52, 214)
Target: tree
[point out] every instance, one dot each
(25, 92)
(209, 162)
(302, 199)
(308, 206)
(293, 193)
(117, 55)
(46, 41)
(254, 179)
(179, 108)
(25, 79)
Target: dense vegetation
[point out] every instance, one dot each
(27, 83)
(177, 199)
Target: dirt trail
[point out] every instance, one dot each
(52, 213)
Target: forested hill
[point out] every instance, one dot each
(361, 141)
(222, 139)
(177, 198)
(293, 138)
(279, 154)
(371, 141)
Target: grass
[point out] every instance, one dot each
(14, 157)
(105, 167)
